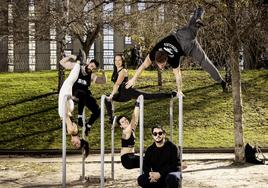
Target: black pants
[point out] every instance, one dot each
(125, 95)
(130, 161)
(85, 99)
(172, 180)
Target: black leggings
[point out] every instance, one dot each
(86, 99)
(130, 160)
(125, 95)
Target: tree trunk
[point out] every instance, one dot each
(61, 72)
(61, 38)
(236, 83)
(237, 108)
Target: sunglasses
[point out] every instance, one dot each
(157, 133)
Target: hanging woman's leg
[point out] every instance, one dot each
(130, 161)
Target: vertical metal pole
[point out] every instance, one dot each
(102, 140)
(171, 119)
(112, 152)
(180, 134)
(64, 144)
(83, 136)
(180, 125)
(141, 131)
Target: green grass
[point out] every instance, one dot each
(29, 117)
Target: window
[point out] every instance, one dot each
(91, 52)
(128, 40)
(10, 39)
(161, 11)
(127, 8)
(108, 39)
(32, 42)
(108, 47)
(141, 5)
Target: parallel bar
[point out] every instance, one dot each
(102, 140)
(83, 136)
(180, 134)
(141, 131)
(180, 125)
(112, 151)
(171, 119)
(64, 143)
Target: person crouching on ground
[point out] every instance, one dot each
(161, 163)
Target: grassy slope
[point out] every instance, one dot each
(29, 119)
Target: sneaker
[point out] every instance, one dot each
(80, 122)
(111, 120)
(87, 130)
(81, 57)
(85, 146)
(224, 86)
(199, 23)
(173, 94)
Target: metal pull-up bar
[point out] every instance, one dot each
(180, 126)
(141, 131)
(103, 97)
(180, 119)
(64, 143)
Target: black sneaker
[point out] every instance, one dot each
(85, 146)
(81, 57)
(87, 130)
(111, 120)
(199, 23)
(173, 93)
(80, 122)
(224, 86)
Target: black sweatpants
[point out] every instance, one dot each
(125, 95)
(130, 161)
(85, 99)
(172, 180)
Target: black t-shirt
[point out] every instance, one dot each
(83, 81)
(170, 45)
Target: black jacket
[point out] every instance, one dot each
(163, 159)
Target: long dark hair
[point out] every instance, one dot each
(115, 74)
(84, 144)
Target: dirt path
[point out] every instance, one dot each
(202, 171)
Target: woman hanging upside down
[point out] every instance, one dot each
(66, 90)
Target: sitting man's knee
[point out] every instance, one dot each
(142, 180)
(172, 180)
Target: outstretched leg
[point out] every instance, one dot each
(196, 20)
(199, 55)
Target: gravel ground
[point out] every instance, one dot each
(203, 170)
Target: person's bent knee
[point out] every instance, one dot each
(172, 181)
(142, 180)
